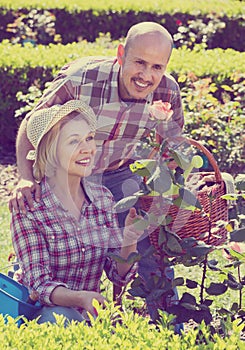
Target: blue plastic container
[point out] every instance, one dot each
(13, 296)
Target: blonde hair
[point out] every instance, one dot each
(46, 158)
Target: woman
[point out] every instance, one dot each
(63, 245)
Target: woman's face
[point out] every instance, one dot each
(76, 148)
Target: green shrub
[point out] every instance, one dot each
(218, 24)
(230, 7)
(114, 329)
(23, 67)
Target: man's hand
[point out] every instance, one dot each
(24, 190)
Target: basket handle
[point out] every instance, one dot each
(210, 157)
(202, 148)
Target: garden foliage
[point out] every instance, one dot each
(113, 329)
(211, 81)
(218, 24)
(171, 246)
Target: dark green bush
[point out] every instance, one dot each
(215, 26)
(24, 67)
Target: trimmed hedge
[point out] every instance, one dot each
(219, 24)
(229, 7)
(21, 67)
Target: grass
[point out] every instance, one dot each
(5, 238)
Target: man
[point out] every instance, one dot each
(120, 92)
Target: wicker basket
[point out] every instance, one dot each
(198, 223)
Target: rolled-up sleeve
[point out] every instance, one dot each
(112, 272)
(32, 254)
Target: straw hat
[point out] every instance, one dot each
(41, 121)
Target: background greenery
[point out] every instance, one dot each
(37, 38)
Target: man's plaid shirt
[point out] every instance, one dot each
(54, 249)
(120, 124)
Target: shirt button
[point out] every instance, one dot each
(52, 237)
(83, 250)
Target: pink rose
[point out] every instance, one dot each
(160, 110)
(238, 247)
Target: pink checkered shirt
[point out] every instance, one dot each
(120, 124)
(54, 249)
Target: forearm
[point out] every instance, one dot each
(63, 296)
(23, 146)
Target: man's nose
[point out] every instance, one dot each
(146, 73)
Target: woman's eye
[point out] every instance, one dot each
(90, 138)
(74, 142)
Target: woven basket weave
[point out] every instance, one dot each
(197, 224)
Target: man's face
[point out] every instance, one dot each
(142, 66)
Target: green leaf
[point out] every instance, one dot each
(227, 88)
(188, 242)
(182, 161)
(212, 264)
(191, 284)
(238, 235)
(117, 258)
(140, 224)
(240, 182)
(208, 302)
(230, 196)
(188, 298)
(223, 311)
(162, 237)
(189, 198)
(235, 307)
(155, 294)
(136, 282)
(179, 281)
(234, 285)
(138, 292)
(200, 250)
(133, 257)
(143, 167)
(236, 255)
(216, 289)
(173, 245)
(161, 180)
(125, 203)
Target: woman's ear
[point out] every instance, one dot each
(120, 54)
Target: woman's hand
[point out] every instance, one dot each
(73, 298)
(130, 238)
(24, 190)
(130, 234)
(87, 301)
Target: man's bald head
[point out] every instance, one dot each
(147, 28)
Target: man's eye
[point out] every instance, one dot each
(158, 67)
(140, 62)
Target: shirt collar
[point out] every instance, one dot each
(90, 188)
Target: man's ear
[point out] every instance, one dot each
(120, 54)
